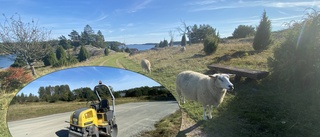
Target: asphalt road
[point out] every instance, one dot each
(132, 118)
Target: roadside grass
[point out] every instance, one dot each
(167, 127)
(37, 109)
(4, 101)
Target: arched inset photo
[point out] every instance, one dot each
(89, 101)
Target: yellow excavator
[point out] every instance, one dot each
(97, 120)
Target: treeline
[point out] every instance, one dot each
(153, 93)
(62, 50)
(53, 94)
(87, 37)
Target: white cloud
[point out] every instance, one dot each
(241, 4)
(293, 4)
(139, 6)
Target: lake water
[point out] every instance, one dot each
(6, 60)
(140, 47)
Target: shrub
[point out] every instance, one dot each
(19, 62)
(83, 54)
(210, 45)
(72, 59)
(14, 78)
(106, 51)
(296, 62)
(50, 59)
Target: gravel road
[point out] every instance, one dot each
(132, 118)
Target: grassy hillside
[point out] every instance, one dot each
(256, 109)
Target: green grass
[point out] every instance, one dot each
(4, 100)
(258, 108)
(37, 109)
(167, 127)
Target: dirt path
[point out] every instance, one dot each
(189, 127)
(101, 64)
(119, 64)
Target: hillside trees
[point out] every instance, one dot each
(163, 44)
(99, 40)
(87, 36)
(262, 38)
(64, 42)
(75, 38)
(243, 31)
(25, 40)
(198, 34)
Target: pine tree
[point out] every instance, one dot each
(262, 39)
(83, 55)
(184, 40)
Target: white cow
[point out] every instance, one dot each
(208, 90)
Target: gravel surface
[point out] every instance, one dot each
(132, 118)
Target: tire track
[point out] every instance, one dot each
(119, 64)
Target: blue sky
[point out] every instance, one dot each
(142, 21)
(118, 79)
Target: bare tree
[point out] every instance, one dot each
(25, 40)
(185, 30)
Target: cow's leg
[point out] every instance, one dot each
(210, 111)
(204, 112)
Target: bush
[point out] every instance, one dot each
(18, 63)
(106, 51)
(210, 45)
(72, 59)
(14, 78)
(296, 62)
(50, 59)
(83, 54)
